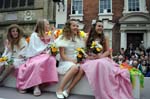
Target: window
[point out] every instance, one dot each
(1, 4)
(14, 3)
(133, 5)
(9, 4)
(77, 7)
(30, 2)
(105, 6)
(22, 3)
(60, 26)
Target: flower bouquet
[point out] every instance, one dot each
(80, 54)
(96, 47)
(53, 49)
(5, 61)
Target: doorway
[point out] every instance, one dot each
(135, 39)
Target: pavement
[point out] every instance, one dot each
(11, 93)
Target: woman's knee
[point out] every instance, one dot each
(53, 59)
(81, 71)
(11, 67)
(74, 69)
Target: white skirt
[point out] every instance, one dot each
(64, 66)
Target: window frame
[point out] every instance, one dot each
(142, 7)
(106, 9)
(75, 11)
(18, 7)
(139, 8)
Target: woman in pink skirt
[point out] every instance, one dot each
(40, 66)
(107, 79)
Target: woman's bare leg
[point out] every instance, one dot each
(6, 72)
(68, 76)
(76, 79)
(2, 69)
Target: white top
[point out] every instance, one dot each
(36, 46)
(16, 53)
(70, 48)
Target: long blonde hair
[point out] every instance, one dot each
(11, 40)
(40, 27)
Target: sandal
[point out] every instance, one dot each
(59, 95)
(37, 91)
(65, 93)
(22, 91)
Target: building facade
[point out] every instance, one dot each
(25, 13)
(125, 21)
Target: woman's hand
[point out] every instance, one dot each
(74, 61)
(91, 57)
(95, 56)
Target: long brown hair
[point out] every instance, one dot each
(40, 27)
(11, 40)
(93, 35)
(67, 30)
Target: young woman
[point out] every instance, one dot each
(14, 48)
(106, 78)
(40, 68)
(68, 42)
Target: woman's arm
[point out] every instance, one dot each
(64, 57)
(23, 47)
(107, 49)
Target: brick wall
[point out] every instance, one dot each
(91, 10)
(148, 5)
(117, 9)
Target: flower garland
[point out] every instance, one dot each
(58, 32)
(133, 72)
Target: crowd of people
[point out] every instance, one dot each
(34, 66)
(138, 57)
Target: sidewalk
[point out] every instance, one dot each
(11, 93)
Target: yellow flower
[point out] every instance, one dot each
(82, 34)
(58, 33)
(54, 49)
(79, 55)
(78, 49)
(98, 49)
(93, 44)
(49, 33)
(5, 58)
(2, 59)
